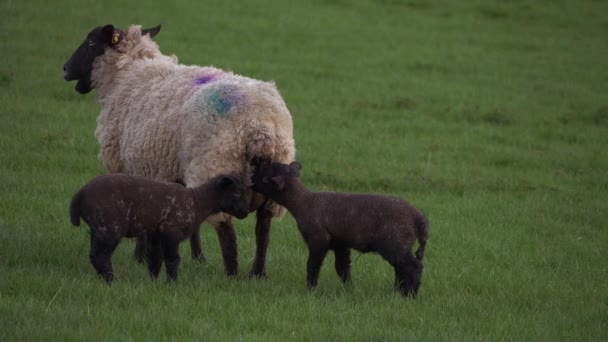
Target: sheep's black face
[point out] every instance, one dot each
(270, 178)
(80, 65)
(233, 200)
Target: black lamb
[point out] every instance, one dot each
(119, 205)
(334, 221)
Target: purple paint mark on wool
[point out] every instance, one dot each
(205, 79)
(225, 98)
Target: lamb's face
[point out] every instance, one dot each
(80, 65)
(270, 178)
(233, 199)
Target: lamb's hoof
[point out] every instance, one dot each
(257, 275)
(408, 293)
(347, 283)
(199, 258)
(108, 278)
(139, 259)
(311, 287)
(231, 273)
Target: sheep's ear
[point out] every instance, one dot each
(295, 168)
(153, 31)
(107, 32)
(225, 183)
(279, 181)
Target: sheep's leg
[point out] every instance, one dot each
(154, 254)
(100, 255)
(172, 258)
(342, 263)
(195, 246)
(316, 255)
(262, 237)
(227, 236)
(140, 249)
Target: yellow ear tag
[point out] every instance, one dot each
(115, 38)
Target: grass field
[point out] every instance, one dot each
(490, 116)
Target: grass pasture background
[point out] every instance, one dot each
(490, 116)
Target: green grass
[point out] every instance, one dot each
(490, 116)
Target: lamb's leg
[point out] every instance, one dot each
(408, 272)
(342, 256)
(172, 258)
(195, 246)
(397, 282)
(262, 237)
(154, 254)
(316, 255)
(414, 268)
(140, 249)
(196, 250)
(100, 255)
(227, 236)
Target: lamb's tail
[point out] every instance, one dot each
(75, 209)
(422, 231)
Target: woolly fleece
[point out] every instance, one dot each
(173, 122)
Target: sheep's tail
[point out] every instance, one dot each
(422, 231)
(261, 144)
(75, 209)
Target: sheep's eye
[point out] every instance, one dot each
(264, 179)
(91, 43)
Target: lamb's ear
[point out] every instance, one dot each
(225, 183)
(259, 162)
(153, 31)
(295, 168)
(279, 181)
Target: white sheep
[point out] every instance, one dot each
(186, 124)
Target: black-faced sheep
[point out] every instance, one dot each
(119, 205)
(171, 122)
(386, 225)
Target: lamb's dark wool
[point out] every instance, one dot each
(119, 205)
(386, 225)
